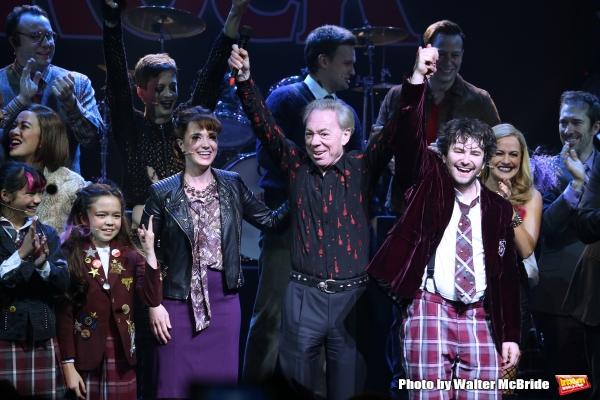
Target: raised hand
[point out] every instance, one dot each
(239, 59)
(111, 10)
(239, 6)
(63, 88)
(505, 187)
(28, 86)
(574, 166)
(147, 237)
(424, 64)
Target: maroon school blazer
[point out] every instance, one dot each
(430, 196)
(82, 333)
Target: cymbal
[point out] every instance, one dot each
(378, 35)
(377, 86)
(148, 20)
(103, 68)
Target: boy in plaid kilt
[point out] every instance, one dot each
(451, 260)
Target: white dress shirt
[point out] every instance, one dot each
(445, 255)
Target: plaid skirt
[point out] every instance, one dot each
(32, 367)
(113, 378)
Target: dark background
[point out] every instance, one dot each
(525, 53)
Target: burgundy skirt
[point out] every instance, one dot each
(206, 357)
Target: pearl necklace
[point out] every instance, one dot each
(193, 192)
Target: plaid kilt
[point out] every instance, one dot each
(32, 367)
(113, 378)
(440, 341)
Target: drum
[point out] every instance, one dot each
(247, 167)
(286, 81)
(237, 131)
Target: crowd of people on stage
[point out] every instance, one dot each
(493, 248)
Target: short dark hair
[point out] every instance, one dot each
(325, 40)
(150, 66)
(444, 27)
(53, 151)
(16, 175)
(201, 116)
(581, 98)
(460, 130)
(12, 20)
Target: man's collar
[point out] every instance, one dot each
(340, 165)
(19, 70)
(458, 87)
(460, 196)
(316, 89)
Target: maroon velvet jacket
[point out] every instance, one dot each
(430, 196)
(117, 303)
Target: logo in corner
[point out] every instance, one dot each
(502, 247)
(572, 383)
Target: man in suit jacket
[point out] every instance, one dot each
(422, 262)
(583, 296)
(330, 59)
(33, 79)
(561, 247)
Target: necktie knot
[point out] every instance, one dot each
(464, 208)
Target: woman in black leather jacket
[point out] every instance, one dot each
(197, 224)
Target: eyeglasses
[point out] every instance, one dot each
(38, 37)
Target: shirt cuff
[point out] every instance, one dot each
(44, 272)
(70, 360)
(572, 196)
(11, 263)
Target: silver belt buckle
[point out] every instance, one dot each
(322, 286)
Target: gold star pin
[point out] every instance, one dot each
(116, 267)
(94, 272)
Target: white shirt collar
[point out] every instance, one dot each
(460, 196)
(316, 89)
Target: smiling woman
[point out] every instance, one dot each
(38, 137)
(198, 223)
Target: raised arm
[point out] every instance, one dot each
(409, 144)
(281, 152)
(119, 91)
(209, 84)
(560, 208)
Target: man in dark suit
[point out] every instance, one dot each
(561, 247)
(583, 296)
(452, 255)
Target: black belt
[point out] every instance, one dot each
(329, 285)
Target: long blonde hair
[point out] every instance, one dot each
(522, 182)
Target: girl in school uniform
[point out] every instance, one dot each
(96, 332)
(32, 273)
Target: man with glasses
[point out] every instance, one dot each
(33, 79)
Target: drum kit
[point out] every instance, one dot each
(167, 22)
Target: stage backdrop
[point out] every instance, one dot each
(524, 53)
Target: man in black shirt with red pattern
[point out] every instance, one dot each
(326, 300)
